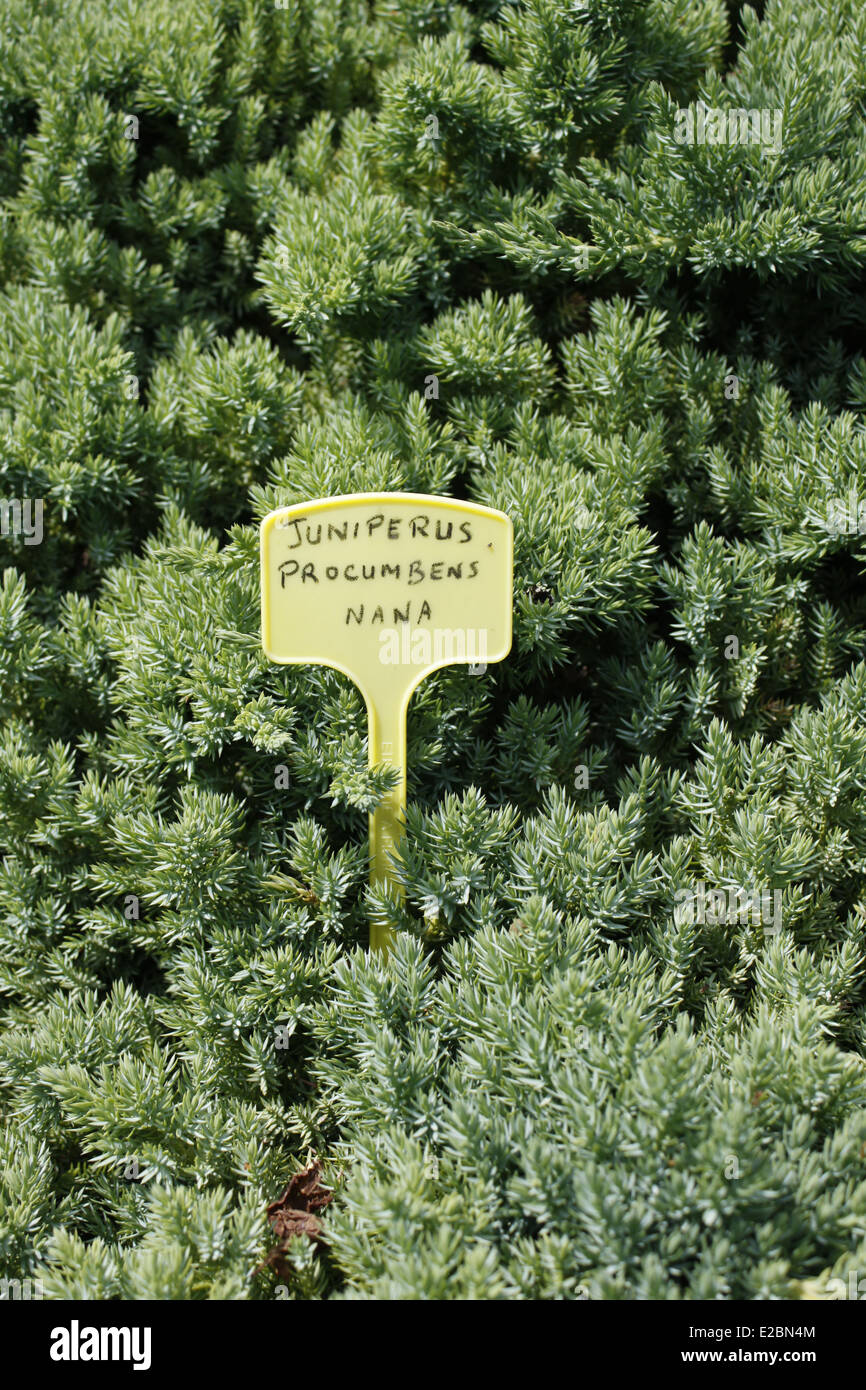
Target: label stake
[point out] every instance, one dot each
(387, 587)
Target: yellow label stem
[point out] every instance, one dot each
(387, 744)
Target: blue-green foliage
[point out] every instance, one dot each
(253, 254)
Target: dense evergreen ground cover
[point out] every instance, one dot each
(251, 255)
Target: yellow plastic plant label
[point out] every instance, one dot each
(387, 587)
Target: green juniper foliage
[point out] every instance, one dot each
(252, 254)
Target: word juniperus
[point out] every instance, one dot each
(595, 270)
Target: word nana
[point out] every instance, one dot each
(415, 572)
(371, 526)
(401, 615)
(846, 516)
(737, 906)
(715, 125)
(75, 1343)
(419, 646)
(17, 519)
